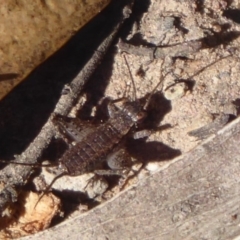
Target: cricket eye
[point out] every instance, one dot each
(141, 115)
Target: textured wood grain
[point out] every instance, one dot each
(195, 197)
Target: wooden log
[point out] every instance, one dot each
(196, 196)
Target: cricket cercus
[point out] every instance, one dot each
(93, 144)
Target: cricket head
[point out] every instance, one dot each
(134, 110)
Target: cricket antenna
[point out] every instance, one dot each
(46, 190)
(34, 165)
(162, 77)
(131, 77)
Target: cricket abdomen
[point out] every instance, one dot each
(96, 145)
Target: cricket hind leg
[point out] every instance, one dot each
(72, 129)
(75, 129)
(119, 163)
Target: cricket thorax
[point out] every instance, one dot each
(133, 110)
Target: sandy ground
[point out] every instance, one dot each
(202, 96)
(194, 92)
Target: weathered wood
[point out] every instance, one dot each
(196, 196)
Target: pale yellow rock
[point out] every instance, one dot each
(31, 31)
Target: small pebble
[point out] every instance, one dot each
(175, 91)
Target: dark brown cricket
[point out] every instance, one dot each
(100, 141)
